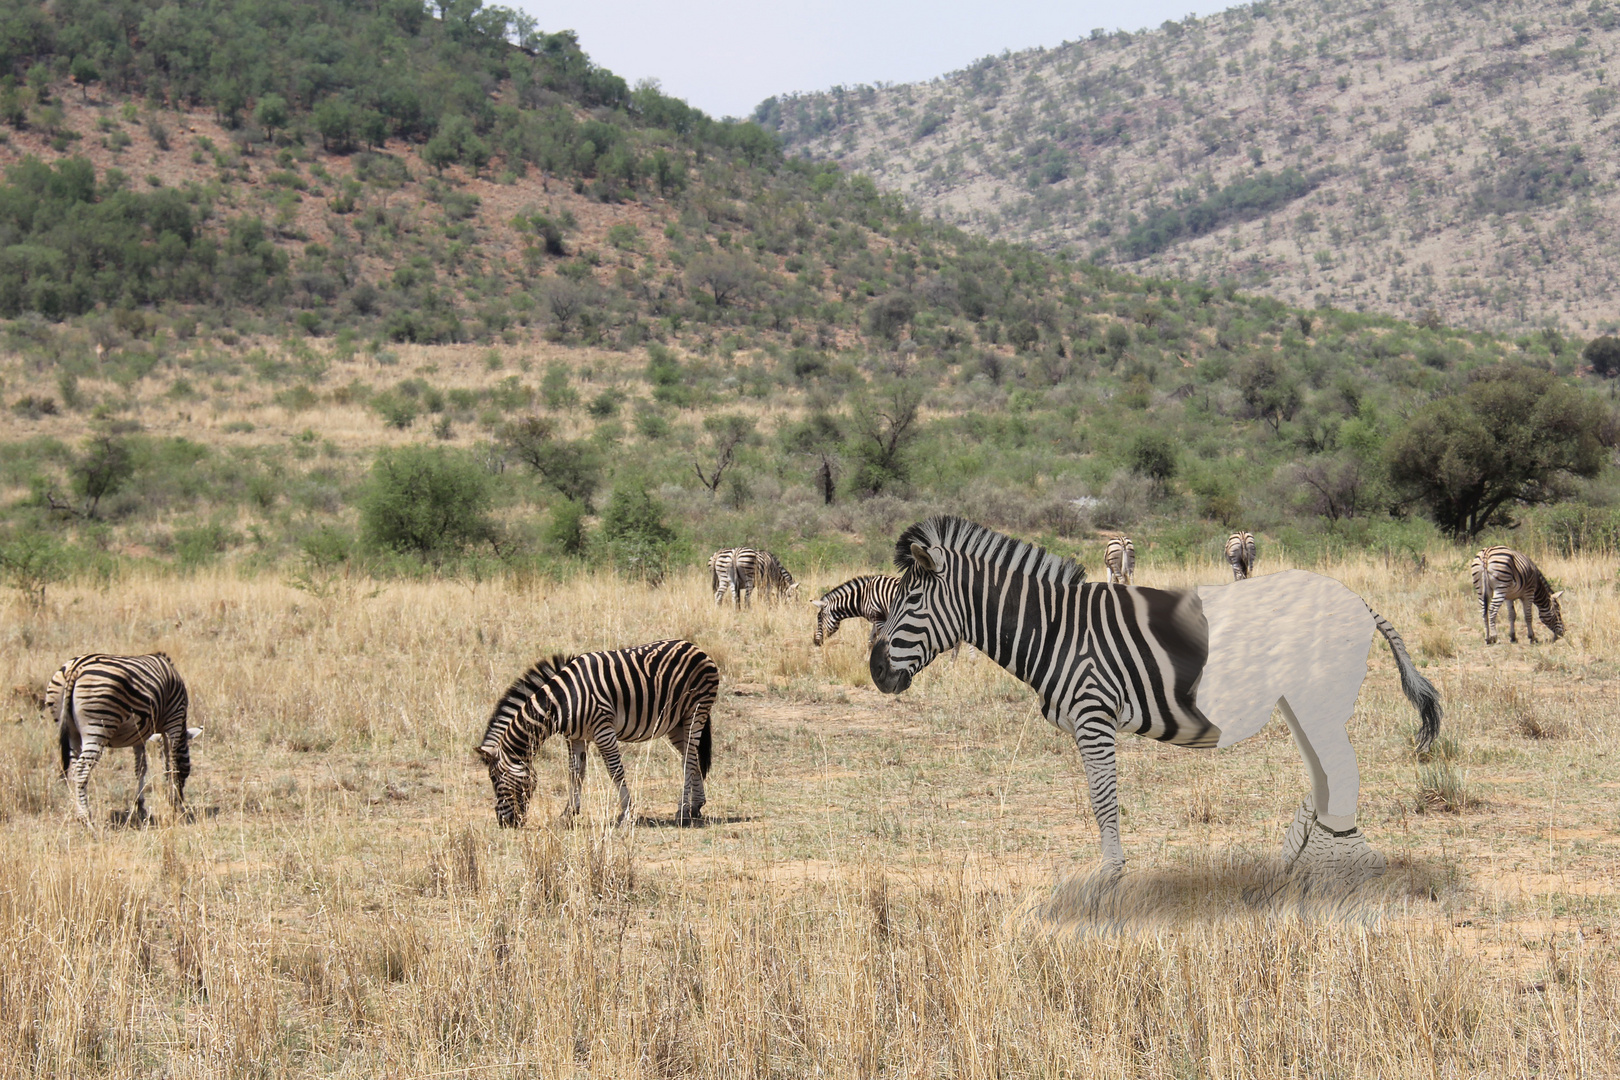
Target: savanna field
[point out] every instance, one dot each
(886, 886)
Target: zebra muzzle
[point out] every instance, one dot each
(884, 675)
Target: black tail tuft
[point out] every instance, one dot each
(1419, 691)
(705, 747)
(65, 736)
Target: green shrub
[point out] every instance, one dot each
(638, 541)
(566, 529)
(428, 501)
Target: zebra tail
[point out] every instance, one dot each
(65, 722)
(705, 747)
(1419, 691)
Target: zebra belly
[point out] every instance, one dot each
(1293, 634)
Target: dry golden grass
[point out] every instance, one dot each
(893, 886)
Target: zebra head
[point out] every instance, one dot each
(1554, 615)
(926, 618)
(522, 719)
(827, 619)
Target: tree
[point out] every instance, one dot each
(725, 276)
(1335, 487)
(1603, 354)
(885, 425)
(30, 562)
(636, 535)
(84, 72)
(272, 114)
(890, 315)
(1269, 391)
(572, 468)
(335, 119)
(426, 500)
(1153, 455)
(726, 434)
(821, 437)
(102, 469)
(1514, 435)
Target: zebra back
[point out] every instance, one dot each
(128, 698)
(755, 568)
(1240, 554)
(866, 597)
(1120, 559)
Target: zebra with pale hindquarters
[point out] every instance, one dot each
(737, 572)
(1199, 668)
(102, 702)
(1502, 574)
(629, 695)
(1120, 558)
(1240, 555)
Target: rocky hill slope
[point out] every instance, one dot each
(1441, 161)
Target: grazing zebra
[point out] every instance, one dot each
(738, 571)
(866, 597)
(1240, 555)
(101, 702)
(1120, 560)
(1198, 668)
(1499, 574)
(621, 695)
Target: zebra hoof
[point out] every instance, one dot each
(690, 819)
(1344, 861)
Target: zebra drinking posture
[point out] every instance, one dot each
(1120, 559)
(1197, 668)
(621, 695)
(1502, 574)
(1240, 555)
(739, 571)
(101, 702)
(866, 597)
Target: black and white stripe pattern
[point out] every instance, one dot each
(1120, 558)
(1107, 658)
(1240, 555)
(737, 572)
(102, 702)
(866, 597)
(1501, 575)
(664, 688)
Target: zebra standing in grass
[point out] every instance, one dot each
(621, 695)
(866, 597)
(1240, 555)
(1502, 574)
(740, 571)
(1120, 559)
(101, 702)
(1197, 668)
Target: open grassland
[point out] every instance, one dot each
(887, 887)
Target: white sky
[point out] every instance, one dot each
(726, 56)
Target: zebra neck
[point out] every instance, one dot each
(1012, 629)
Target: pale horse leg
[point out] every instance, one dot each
(1324, 837)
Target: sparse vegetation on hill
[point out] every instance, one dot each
(1381, 157)
(238, 307)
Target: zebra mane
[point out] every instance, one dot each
(527, 685)
(977, 541)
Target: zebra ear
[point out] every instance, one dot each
(486, 755)
(923, 559)
(1557, 594)
(818, 604)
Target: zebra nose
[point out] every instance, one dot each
(884, 675)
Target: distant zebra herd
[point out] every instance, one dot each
(1198, 667)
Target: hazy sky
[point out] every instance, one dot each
(725, 56)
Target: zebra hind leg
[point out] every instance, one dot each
(138, 815)
(1324, 840)
(692, 742)
(79, 779)
(177, 755)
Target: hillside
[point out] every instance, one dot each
(1439, 161)
(229, 303)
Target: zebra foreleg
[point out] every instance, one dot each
(1095, 737)
(576, 778)
(140, 783)
(607, 741)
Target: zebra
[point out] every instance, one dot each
(102, 702)
(866, 597)
(738, 571)
(1199, 668)
(1499, 574)
(1120, 559)
(620, 695)
(1240, 555)
(720, 573)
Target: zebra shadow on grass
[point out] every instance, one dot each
(1220, 887)
(134, 819)
(648, 821)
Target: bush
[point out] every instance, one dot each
(428, 501)
(1603, 353)
(566, 529)
(31, 562)
(638, 540)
